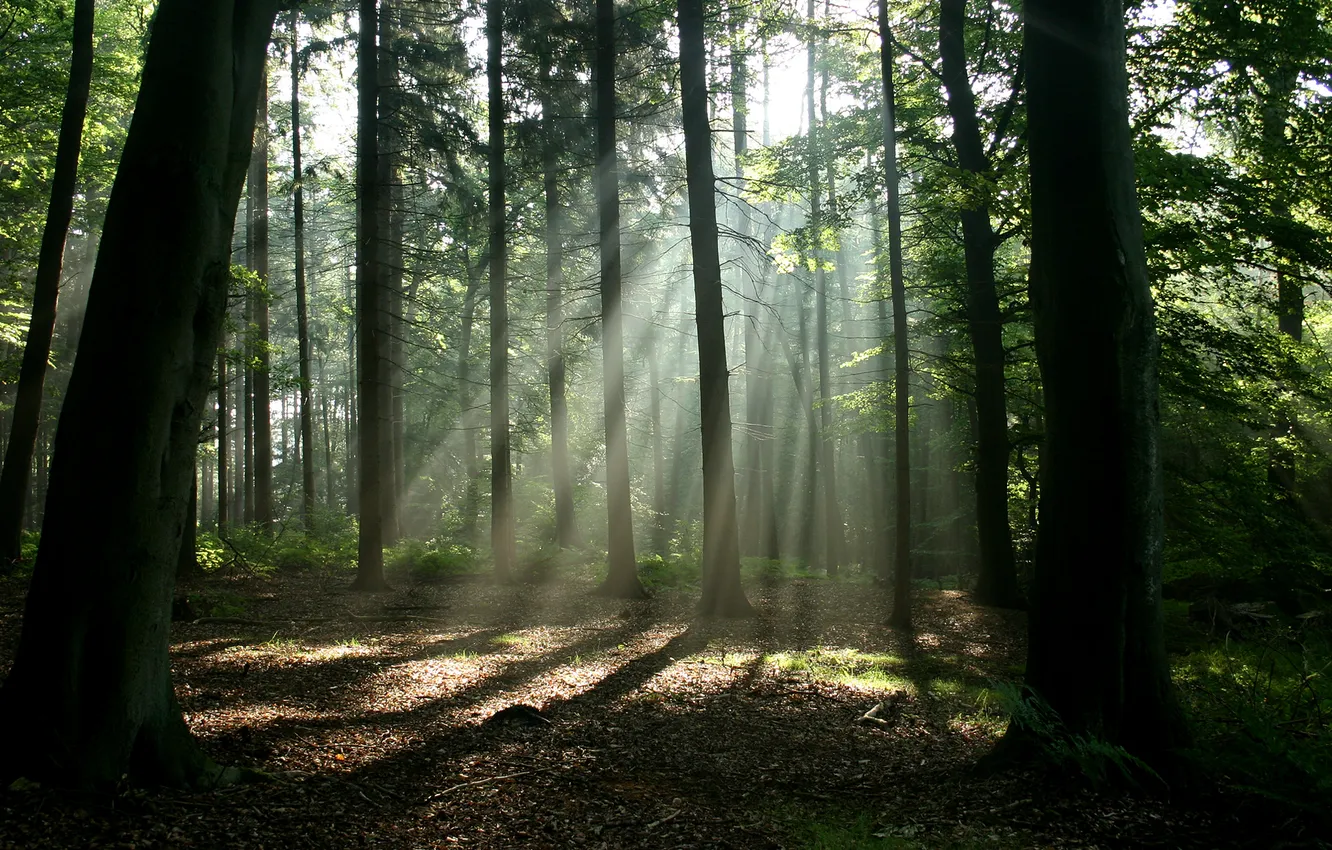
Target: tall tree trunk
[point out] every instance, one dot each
(1096, 653)
(390, 278)
(901, 616)
(502, 535)
(46, 289)
(562, 483)
(223, 438)
(263, 428)
(302, 315)
(466, 419)
(622, 566)
(370, 552)
(91, 683)
(722, 593)
(997, 583)
(751, 532)
(660, 529)
(329, 499)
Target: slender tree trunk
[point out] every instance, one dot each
(46, 289)
(997, 584)
(622, 566)
(562, 483)
(722, 592)
(263, 429)
(1096, 653)
(751, 534)
(245, 470)
(223, 437)
(302, 314)
(187, 562)
(901, 617)
(466, 420)
(91, 682)
(370, 554)
(501, 469)
(660, 541)
(329, 499)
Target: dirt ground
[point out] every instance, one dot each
(655, 729)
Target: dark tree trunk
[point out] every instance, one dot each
(91, 682)
(901, 617)
(223, 438)
(187, 562)
(1096, 653)
(565, 524)
(621, 564)
(660, 528)
(722, 592)
(390, 281)
(302, 315)
(324, 404)
(370, 554)
(997, 583)
(502, 536)
(262, 416)
(46, 290)
(752, 517)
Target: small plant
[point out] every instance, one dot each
(1100, 762)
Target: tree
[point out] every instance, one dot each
(722, 593)
(622, 566)
(997, 583)
(901, 616)
(302, 320)
(91, 682)
(502, 537)
(32, 372)
(370, 552)
(1096, 653)
(262, 416)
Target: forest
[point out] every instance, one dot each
(761, 423)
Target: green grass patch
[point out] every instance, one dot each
(844, 667)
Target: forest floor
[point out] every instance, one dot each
(664, 730)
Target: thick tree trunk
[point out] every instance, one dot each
(370, 553)
(46, 290)
(502, 535)
(997, 583)
(561, 482)
(262, 416)
(722, 592)
(901, 616)
(621, 564)
(1096, 653)
(91, 682)
(302, 314)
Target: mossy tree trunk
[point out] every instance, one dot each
(91, 683)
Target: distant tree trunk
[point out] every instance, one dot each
(46, 289)
(832, 515)
(501, 469)
(353, 436)
(751, 529)
(302, 315)
(997, 584)
(1096, 653)
(660, 541)
(324, 404)
(466, 421)
(223, 438)
(622, 566)
(263, 428)
(370, 554)
(562, 483)
(770, 533)
(91, 682)
(722, 593)
(901, 617)
(187, 562)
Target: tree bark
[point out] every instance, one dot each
(561, 482)
(621, 564)
(91, 682)
(302, 314)
(997, 583)
(901, 616)
(466, 420)
(722, 592)
(1096, 653)
(46, 289)
(390, 281)
(370, 552)
(502, 535)
(262, 416)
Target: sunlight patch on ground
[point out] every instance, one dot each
(851, 668)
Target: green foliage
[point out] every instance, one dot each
(431, 560)
(1261, 710)
(1098, 761)
(681, 570)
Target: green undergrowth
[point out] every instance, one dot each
(1261, 708)
(428, 561)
